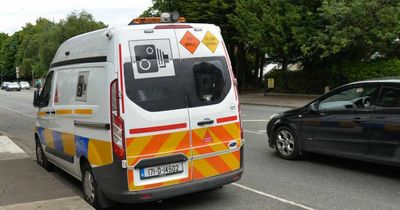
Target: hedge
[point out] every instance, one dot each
(309, 81)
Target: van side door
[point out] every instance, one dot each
(46, 112)
(154, 110)
(212, 101)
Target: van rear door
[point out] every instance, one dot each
(212, 101)
(154, 110)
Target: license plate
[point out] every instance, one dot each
(161, 170)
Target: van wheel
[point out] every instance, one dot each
(90, 187)
(286, 143)
(41, 158)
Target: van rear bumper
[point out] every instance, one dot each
(174, 190)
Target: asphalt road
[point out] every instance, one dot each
(314, 182)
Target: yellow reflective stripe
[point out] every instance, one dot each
(99, 152)
(233, 130)
(64, 111)
(137, 145)
(205, 168)
(41, 113)
(48, 137)
(83, 111)
(68, 141)
(173, 142)
(230, 160)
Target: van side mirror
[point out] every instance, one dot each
(36, 98)
(313, 108)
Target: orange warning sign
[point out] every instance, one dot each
(190, 42)
(210, 41)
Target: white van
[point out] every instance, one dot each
(142, 112)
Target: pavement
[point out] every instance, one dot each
(276, 100)
(23, 185)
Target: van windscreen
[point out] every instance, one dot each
(196, 82)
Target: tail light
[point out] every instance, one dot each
(117, 123)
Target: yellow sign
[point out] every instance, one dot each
(271, 83)
(210, 41)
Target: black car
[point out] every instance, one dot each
(360, 120)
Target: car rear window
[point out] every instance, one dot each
(196, 82)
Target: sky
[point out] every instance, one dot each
(14, 14)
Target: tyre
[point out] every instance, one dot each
(41, 158)
(90, 187)
(286, 143)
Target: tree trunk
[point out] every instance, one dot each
(261, 67)
(257, 66)
(285, 63)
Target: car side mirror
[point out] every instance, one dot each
(36, 98)
(313, 108)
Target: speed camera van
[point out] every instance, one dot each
(142, 112)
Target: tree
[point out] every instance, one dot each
(33, 48)
(357, 29)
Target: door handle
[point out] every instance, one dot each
(205, 122)
(358, 120)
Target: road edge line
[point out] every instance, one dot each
(13, 110)
(273, 197)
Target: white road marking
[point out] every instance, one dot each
(73, 202)
(6, 145)
(16, 111)
(262, 131)
(273, 197)
(255, 132)
(255, 120)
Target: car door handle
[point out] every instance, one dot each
(358, 120)
(205, 122)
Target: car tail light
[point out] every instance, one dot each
(117, 123)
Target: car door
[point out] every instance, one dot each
(384, 142)
(342, 123)
(45, 116)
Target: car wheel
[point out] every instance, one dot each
(41, 158)
(286, 143)
(90, 187)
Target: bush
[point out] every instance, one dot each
(310, 81)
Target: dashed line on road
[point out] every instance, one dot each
(254, 132)
(16, 111)
(273, 197)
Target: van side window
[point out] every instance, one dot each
(390, 97)
(45, 95)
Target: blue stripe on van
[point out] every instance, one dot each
(81, 144)
(58, 144)
(40, 134)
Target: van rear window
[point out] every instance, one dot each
(197, 82)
